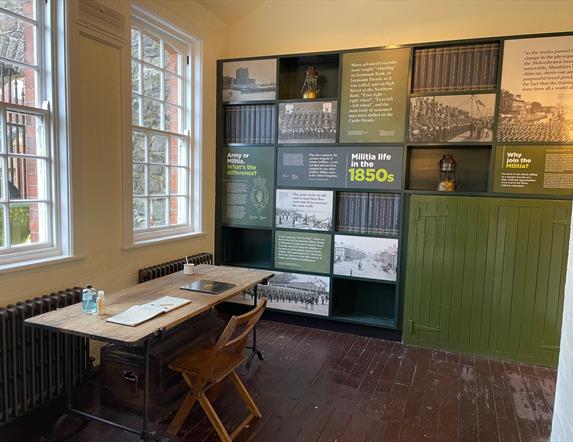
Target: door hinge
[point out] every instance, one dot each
(188, 60)
(550, 347)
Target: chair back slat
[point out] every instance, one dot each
(239, 342)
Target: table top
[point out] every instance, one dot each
(71, 320)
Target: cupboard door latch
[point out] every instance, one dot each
(420, 327)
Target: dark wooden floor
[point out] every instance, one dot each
(317, 385)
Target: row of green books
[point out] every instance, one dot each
(249, 124)
(455, 68)
(368, 212)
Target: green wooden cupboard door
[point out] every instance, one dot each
(486, 275)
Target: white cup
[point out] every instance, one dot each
(188, 269)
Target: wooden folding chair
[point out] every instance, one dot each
(206, 368)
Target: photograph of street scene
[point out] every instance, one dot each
(294, 292)
(365, 257)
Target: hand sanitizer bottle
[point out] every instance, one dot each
(89, 305)
(101, 303)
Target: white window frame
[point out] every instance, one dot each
(190, 128)
(52, 91)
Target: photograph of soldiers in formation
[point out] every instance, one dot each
(250, 80)
(304, 209)
(536, 103)
(532, 121)
(452, 118)
(293, 292)
(308, 122)
(365, 257)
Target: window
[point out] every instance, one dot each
(162, 154)
(30, 213)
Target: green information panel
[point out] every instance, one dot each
(373, 96)
(247, 193)
(534, 170)
(303, 251)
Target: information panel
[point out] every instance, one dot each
(352, 168)
(374, 91)
(247, 193)
(534, 169)
(536, 104)
(302, 251)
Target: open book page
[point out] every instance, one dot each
(140, 313)
(168, 303)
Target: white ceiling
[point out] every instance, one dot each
(230, 11)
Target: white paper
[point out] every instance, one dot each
(140, 313)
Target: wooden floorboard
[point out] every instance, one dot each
(319, 385)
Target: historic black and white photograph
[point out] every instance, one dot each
(308, 122)
(365, 257)
(451, 118)
(294, 292)
(252, 80)
(536, 104)
(304, 209)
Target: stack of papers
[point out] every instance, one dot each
(140, 313)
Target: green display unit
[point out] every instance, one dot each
(383, 119)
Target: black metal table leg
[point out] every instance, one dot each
(144, 433)
(55, 430)
(254, 350)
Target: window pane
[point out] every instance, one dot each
(170, 58)
(19, 84)
(17, 39)
(135, 110)
(151, 50)
(139, 179)
(138, 146)
(172, 119)
(27, 8)
(177, 210)
(139, 213)
(28, 223)
(27, 178)
(25, 134)
(158, 180)
(2, 244)
(171, 89)
(158, 149)
(158, 212)
(177, 151)
(135, 76)
(2, 195)
(178, 181)
(151, 114)
(152, 82)
(135, 44)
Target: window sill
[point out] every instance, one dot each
(37, 263)
(165, 239)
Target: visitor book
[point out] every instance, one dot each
(140, 313)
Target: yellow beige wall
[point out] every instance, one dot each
(273, 28)
(292, 26)
(97, 163)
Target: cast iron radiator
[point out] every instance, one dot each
(32, 360)
(149, 273)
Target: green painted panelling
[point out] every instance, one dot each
(486, 275)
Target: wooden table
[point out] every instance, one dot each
(71, 321)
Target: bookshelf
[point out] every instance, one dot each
(445, 100)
